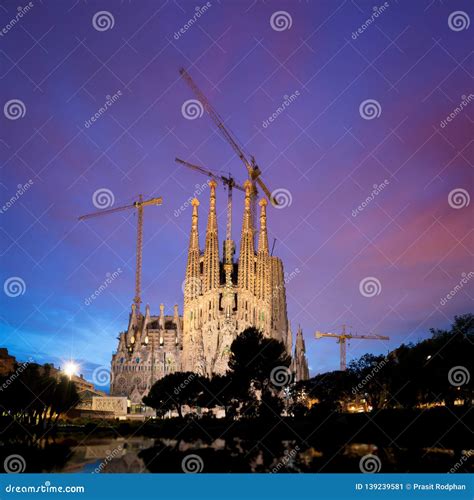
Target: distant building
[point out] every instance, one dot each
(221, 299)
(7, 362)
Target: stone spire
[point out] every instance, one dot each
(300, 364)
(247, 255)
(261, 281)
(211, 251)
(193, 280)
(263, 237)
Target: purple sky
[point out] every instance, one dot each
(415, 238)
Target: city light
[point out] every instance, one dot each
(71, 368)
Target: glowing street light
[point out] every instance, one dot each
(71, 368)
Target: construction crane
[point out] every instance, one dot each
(343, 337)
(138, 205)
(230, 183)
(253, 170)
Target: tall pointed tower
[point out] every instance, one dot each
(300, 364)
(192, 339)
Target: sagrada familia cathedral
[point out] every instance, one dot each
(221, 299)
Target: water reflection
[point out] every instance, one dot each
(145, 454)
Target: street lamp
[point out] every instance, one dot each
(71, 368)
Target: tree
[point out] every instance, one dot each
(253, 361)
(371, 379)
(173, 391)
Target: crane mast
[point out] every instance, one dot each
(253, 170)
(342, 339)
(138, 205)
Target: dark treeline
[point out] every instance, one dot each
(432, 372)
(31, 398)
